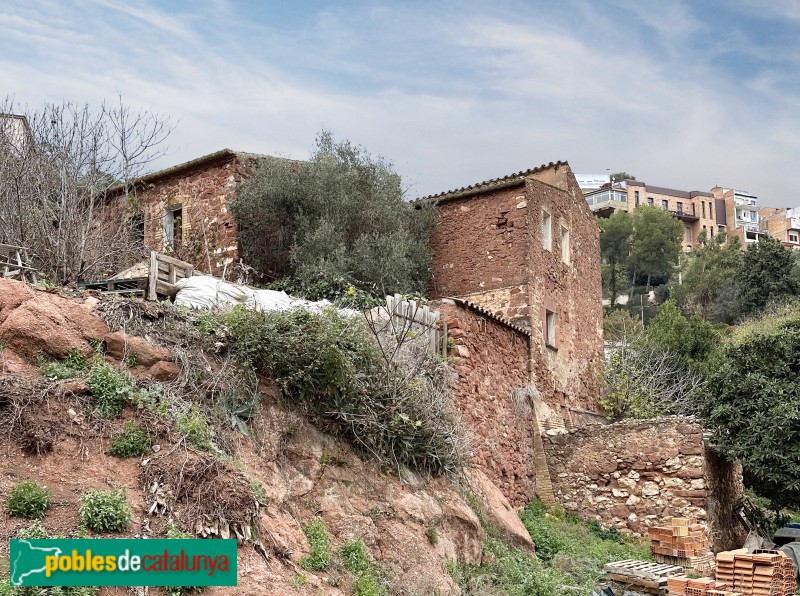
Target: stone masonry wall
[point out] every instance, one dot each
(488, 248)
(639, 473)
(571, 290)
(208, 228)
(480, 243)
(491, 360)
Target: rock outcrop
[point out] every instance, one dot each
(412, 526)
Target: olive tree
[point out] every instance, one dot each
(335, 221)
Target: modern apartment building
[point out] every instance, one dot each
(781, 224)
(741, 213)
(697, 210)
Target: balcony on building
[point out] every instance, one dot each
(606, 201)
(684, 214)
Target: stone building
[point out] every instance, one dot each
(184, 209)
(516, 271)
(15, 133)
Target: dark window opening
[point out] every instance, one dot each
(137, 228)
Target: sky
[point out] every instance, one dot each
(687, 95)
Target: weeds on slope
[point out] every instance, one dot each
(571, 554)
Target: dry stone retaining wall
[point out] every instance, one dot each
(636, 474)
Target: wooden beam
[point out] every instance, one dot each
(153, 278)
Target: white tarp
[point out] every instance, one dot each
(206, 292)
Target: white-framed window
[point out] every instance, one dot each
(793, 238)
(565, 244)
(547, 230)
(550, 328)
(688, 235)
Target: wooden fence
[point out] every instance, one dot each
(411, 313)
(14, 263)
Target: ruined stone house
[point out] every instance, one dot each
(516, 272)
(525, 248)
(184, 209)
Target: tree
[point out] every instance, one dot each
(54, 185)
(706, 277)
(753, 404)
(615, 246)
(661, 369)
(655, 242)
(764, 274)
(337, 220)
(643, 382)
(621, 176)
(692, 341)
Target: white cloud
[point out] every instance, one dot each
(453, 97)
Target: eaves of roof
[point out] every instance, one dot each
(489, 314)
(663, 190)
(488, 185)
(217, 156)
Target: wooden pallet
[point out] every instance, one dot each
(649, 577)
(164, 272)
(134, 286)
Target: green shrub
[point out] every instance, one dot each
(110, 388)
(367, 585)
(173, 532)
(105, 510)
(330, 366)
(433, 535)
(75, 359)
(753, 400)
(132, 441)
(320, 557)
(338, 216)
(35, 531)
(69, 368)
(28, 499)
(356, 559)
(355, 556)
(194, 426)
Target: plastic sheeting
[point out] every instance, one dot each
(206, 292)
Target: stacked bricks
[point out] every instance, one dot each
(763, 573)
(684, 538)
(684, 586)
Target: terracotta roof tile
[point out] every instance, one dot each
(487, 313)
(487, 185)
